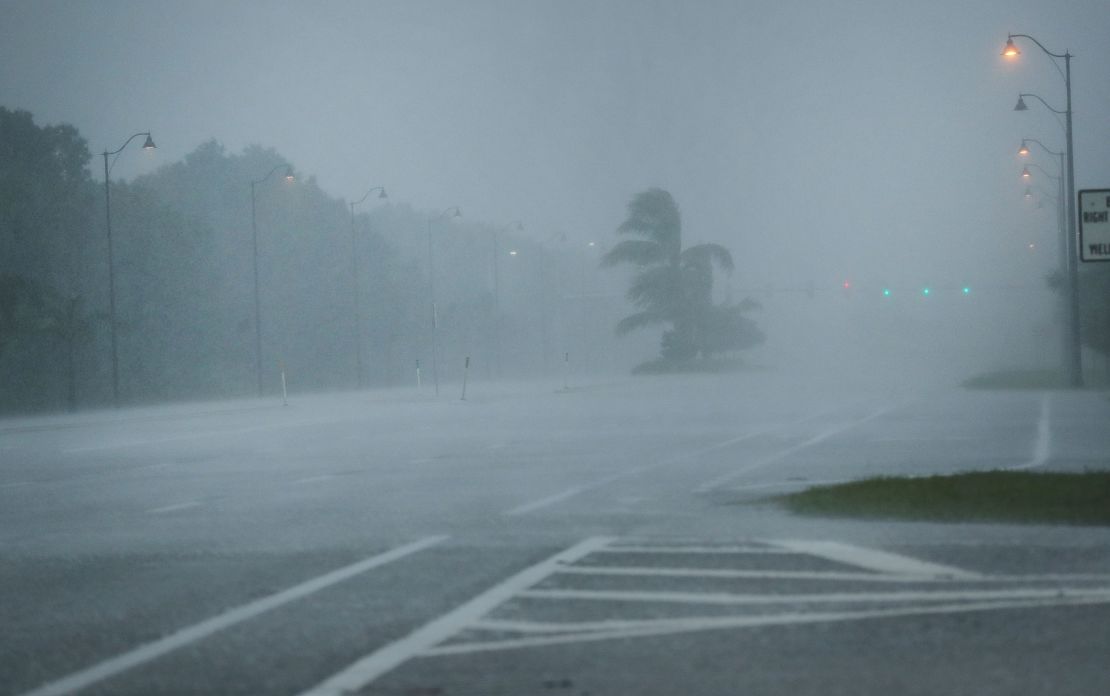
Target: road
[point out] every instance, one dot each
(613, 538)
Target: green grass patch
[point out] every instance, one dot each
(1005, 496)
(1017, 379)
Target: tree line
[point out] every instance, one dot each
(183, 280)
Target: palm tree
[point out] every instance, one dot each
(672, 285)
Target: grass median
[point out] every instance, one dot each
(997, 496)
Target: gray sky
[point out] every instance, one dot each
(866, 139)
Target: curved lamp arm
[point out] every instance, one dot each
(1043, 146)
(1043, 171)
(1010, 40)
(454, 210)
(148, 145)
(1020, 106)
(288, 174)
(366, 195)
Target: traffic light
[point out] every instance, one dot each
(886, 292)
(966, 290)
(925, 291)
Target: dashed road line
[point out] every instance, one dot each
(313, 479)
(191, 634)
(760, 463)
(187, 505)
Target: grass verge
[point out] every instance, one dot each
(1017, 379)
(1005, 496)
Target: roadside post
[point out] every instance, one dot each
(466, 372)
(284, 391)
(566, 370)
(418, 384)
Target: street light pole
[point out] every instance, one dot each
(517, 226)
(1061, 223)
(257, 300)
(112, 324)
(354, 277)
(1062, 236)
(1075, 363)
(455, 212)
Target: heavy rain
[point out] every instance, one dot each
(535, 346)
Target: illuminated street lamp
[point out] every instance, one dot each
(452, 212)
(1074, 364)
(112, 323)
(354, 281)
(254, 241)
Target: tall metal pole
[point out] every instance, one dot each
(358, 310)
(432, 294)
(112, 322)
(1075, 355)
(257, 301)
(496, 305)
(111, 285)
(1076, 372)
(355, 283)
(257, 295)
(435, 317)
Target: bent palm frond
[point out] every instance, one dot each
(638, 252)
(703, 255)
(638, 321)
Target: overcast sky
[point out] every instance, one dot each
(818, 139)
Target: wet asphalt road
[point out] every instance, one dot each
(614, 538)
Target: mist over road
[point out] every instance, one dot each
(609, 538)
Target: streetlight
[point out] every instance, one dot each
(516, 226)
(1060, 196)
(148, 145)
(354, 276)
(1075, 364)
(453, 212)
(257, 303)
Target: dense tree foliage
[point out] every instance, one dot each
(674, 285)
(183, 252)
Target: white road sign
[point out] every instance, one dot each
(1094, 225)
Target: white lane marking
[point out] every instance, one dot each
(547, 501)
(663, 627)
(550, 500)
(1043, 444)
(787, 484)
(172, 438)
(693, 549)
(732, 475)
(871, 559)
(362, 672)
(313, 479)
(17, 484)
(727, 598)
(175, 507)
(647, 571)
(145, 653)
(824, 575)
